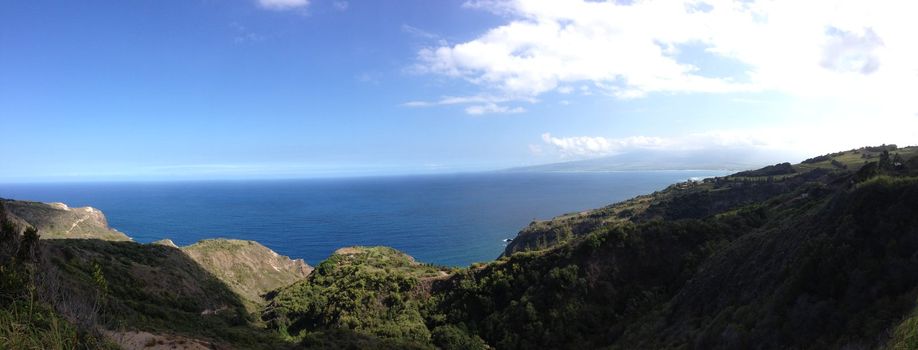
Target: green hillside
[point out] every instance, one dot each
(816, 255)
(248, 268)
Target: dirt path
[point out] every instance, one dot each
(76, 223)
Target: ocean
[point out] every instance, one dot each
(442, 219)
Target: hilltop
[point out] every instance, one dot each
(819, 254)
(57, 220)
(247, 267)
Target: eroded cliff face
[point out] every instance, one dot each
(59, 221)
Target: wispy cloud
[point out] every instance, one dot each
(492, 108)
(341, 5)
(283, 4)
(244, 35)
(418, 32)
(477, 105)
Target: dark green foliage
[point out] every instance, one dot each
(771, 170)
(344, 338)
(817, 159)
(27, 320)
(154, 288)
(816, 263)
(838, 164)
(833, 275)
(867, 171)
(376, 291)
(885, 162)
(450, 337)
(881, 148)
(575, 295)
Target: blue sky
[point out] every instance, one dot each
(159, 90)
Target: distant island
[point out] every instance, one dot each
(817, 254)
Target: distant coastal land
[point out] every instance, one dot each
(814, 254)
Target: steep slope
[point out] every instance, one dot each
(818, 257)
(248, 268)
(126, 287)
(824, 263)
(57, 220)
(195, 296)
(699, 199)
(28, 318)
(833, 270)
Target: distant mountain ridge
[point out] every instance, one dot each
(721, 159)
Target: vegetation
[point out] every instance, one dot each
(65, 293)
(27, 320)
(375, 291)
(820, 259)
(771, 170)
(56, 220)
(152, 288)
(813, 255)
(580, 295)
(250, 269)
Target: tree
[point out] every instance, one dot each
(885, 163)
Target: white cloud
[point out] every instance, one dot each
(592, 146)
(283, 4)
(564, 90)
(820, 48)
(803, 141)
(597, 146)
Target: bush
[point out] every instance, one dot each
(450, 337)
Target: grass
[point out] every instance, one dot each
(27, 325)
(248, 268)
(905, 335)
(158, 289)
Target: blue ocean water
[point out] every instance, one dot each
(442, 219)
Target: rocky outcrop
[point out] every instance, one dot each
(165, 242)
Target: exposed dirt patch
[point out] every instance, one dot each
(139, 340)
